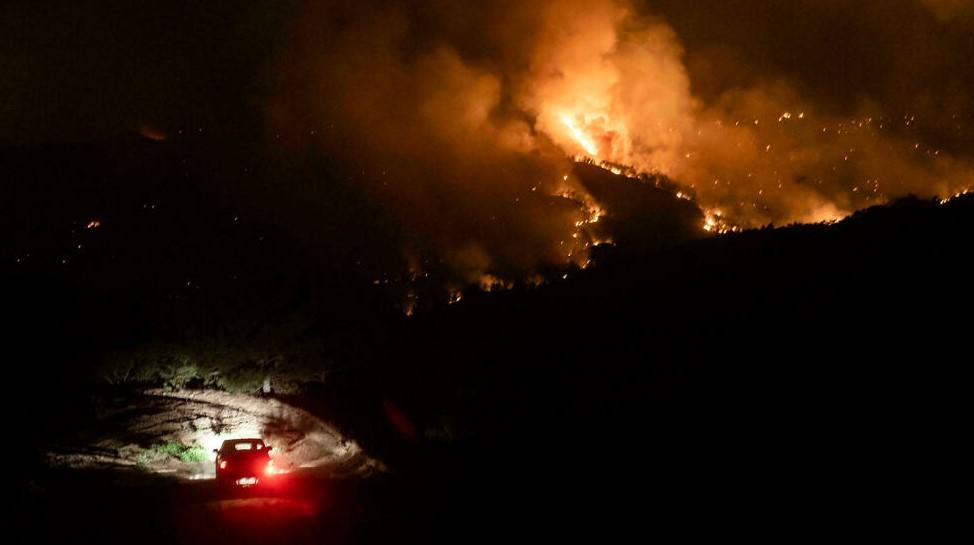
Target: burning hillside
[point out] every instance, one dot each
(465, 122)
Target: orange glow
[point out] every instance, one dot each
(489, 282)
(600, 81)
(152, 133)
(715, 222)
(579, 136)
(957, 195)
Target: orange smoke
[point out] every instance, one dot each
(947, 9)
(462, 121)
(612, 86)
(610, 82)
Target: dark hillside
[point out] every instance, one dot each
(677, 367)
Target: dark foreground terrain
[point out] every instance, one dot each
(799, 381)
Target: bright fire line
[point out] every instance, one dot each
(583, 140)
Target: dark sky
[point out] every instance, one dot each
(902, 53)
(461, 118)
(73, 70)
(77, 70)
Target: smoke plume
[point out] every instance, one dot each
(463, 121)
(948, 9)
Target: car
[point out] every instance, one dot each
(243, 462)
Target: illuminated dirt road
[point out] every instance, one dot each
(111, 481)
(130, 431)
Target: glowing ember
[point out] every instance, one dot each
(489, 282)
(715, 222)
(957, 195)
(455, 295)
(409, 303)
(152, 133)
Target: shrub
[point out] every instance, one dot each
(170, 449)
(177, 377)
(193, 454)
(241, 380)
(209, 365)
(143, 459)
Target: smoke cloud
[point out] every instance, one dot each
(948, 9)
(464, 120)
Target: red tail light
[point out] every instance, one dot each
(270, 467)
(223, 464)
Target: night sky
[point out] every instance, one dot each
(460, 122)
(75, 71)
(553, 262)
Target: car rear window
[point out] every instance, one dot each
(244, 445)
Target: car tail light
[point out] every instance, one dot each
(270, 467)
(223, 464)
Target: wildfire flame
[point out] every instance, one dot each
(611, 89)
(579, 136)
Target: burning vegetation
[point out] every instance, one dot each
(423, 153)
(465, 121)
